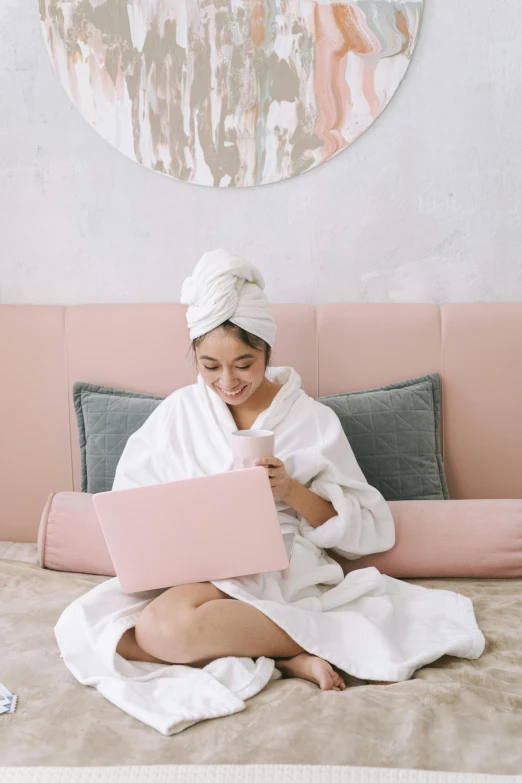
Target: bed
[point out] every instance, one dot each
(454, 715)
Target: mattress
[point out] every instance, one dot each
(453, 715)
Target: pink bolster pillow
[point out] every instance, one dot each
(70, 537)
(434, 538)
(451, 538)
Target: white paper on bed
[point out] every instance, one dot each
(8, 700)
(369, 625)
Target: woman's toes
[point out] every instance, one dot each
(329, 679)
(310, 667)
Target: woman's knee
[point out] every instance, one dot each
(167, 628)
(165, 632)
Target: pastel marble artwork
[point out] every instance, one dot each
(230, 93)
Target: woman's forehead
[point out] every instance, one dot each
(223, 343)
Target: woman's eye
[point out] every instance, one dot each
(215, 368)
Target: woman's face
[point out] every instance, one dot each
(230, 367)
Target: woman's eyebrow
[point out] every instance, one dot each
(237, 359)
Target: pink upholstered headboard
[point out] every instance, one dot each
(477, 349)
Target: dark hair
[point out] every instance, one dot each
(252, 340)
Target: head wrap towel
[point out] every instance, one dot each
(224, 287)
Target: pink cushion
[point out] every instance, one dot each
(434, 538)
(451, 538)
(70, 536)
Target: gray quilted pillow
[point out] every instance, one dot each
(393, 431)
(394, 434)
(106, 419)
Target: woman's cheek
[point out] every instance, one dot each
(257, 377)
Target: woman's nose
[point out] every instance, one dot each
(228, 380)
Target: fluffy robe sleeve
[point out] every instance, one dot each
(363, 524)
(145, 459)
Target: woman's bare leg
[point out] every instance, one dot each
(227, 631)
(195, 624)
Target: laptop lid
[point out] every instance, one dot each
(196, 530)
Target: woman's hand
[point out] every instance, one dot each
(313, 508)
(280, 481)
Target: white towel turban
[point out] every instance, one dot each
(224, 287)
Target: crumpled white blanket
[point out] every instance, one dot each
(168, 698)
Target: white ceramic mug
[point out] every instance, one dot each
(249, 445)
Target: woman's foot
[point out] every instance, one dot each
(307, 667)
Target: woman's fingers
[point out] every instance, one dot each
(276, 471)
(272, 461)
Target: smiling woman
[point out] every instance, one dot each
(304, 620)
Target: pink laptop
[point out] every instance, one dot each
(197, 530)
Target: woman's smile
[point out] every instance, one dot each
(233, 395)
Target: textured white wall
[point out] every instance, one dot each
(425, 206)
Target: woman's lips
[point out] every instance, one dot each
(232, 395)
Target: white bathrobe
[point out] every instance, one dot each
(369, 625)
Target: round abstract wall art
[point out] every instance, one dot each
(230, 93)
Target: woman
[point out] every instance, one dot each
(309, 617)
